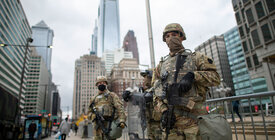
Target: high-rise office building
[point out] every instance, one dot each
(14, 30)
(130, 44)
(125, 74)
(56, 111)
(236, 58)
(42, 37)
(108, 26)
(215, 49)
(87, 68)
(37, 85)
(113, 57)
(95, 39)
(256, 25)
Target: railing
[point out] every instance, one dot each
(262, 117)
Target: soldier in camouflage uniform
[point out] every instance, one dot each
(153, 128)
(198, 72)
(105, 102)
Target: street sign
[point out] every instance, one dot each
(43, 111)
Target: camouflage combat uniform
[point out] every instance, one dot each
(205, 76)
(153, 128)
(105, 103)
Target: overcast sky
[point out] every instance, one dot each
(73, 22)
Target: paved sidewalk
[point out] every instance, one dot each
(72, 137)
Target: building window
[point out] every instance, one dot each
(241, 32)
(244, 47)
(248, 62)
(249, 16)
(266, 33)
(237, 15)
(255, 38)
(270, 5)
(255, 59)
(259, 9)
(250, 44)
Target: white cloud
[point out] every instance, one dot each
(73, 23)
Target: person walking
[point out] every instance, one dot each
(32, 128)
(75, 129)
(64, 129)
(235, 105)
(184, 78)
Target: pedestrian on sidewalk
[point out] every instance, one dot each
(75, 128)
(64, 129)
(235, 105)
(32, 129)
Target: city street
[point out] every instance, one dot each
(71, 137)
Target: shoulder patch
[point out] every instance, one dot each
(210, 61)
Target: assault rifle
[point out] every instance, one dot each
(172, 94)
(140, 99)
(99, 120)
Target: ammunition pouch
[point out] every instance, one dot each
(105, 110)
(175, 98)
(181, 101)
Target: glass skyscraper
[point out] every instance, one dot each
(42, 37)
(240, 74)
(108, 26)
(243, 83)
(94, 40)
(14, 30)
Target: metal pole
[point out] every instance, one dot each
(150, 34)
(252, 120)
(45, 97)
(265, 131)
(22, 78)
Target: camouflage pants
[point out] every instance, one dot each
(98, 133)
(184, 129)
(154, 131)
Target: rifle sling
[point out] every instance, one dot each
(180, 60)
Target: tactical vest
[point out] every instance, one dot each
(104, 104)
(168, 67)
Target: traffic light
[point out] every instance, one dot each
(39, 114)
(49, 115)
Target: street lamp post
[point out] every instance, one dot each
(29, 40)
(27, 45)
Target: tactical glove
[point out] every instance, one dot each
(121, 125)
(186, 82)
(148, 97)
(165, 118)
(126, 95)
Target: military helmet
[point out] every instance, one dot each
(173, 27)
(101, 79)
(148, 73)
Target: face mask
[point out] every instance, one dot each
(174, 44)
(101, 87)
